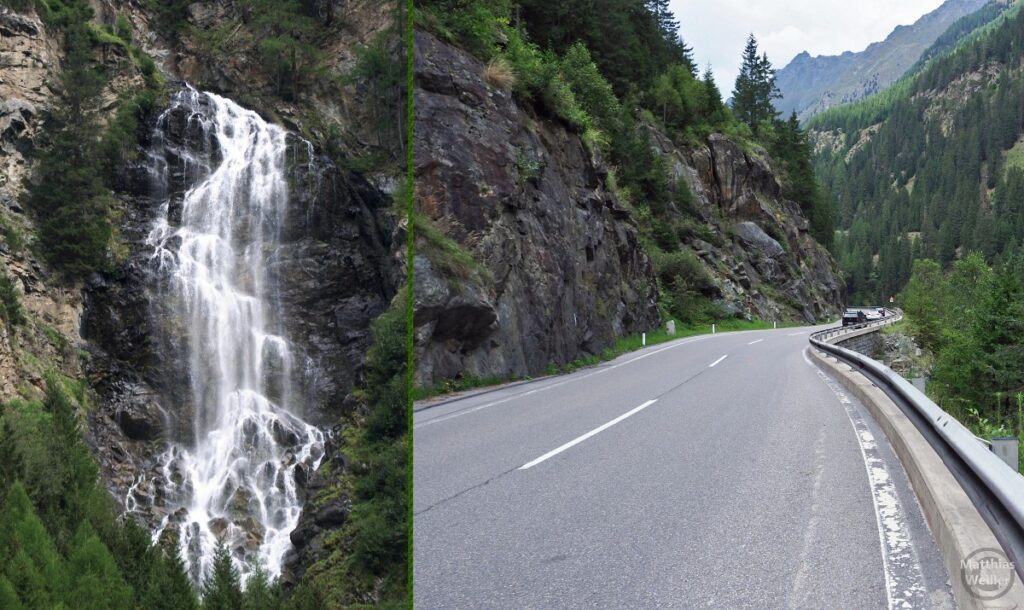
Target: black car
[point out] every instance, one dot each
(853, 317)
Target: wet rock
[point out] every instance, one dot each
(141, 420)
(252, 533)
(241, 502)
(303, 533)
(284, 434)
(218, 527)
(333, 513)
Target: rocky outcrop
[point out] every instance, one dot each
(549, 265)
(28, 61)
(526, 258)
(754, 244)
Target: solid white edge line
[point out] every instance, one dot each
(717, 361)
(885, 536)
(580, 439)
(568, 379)
(757, 341)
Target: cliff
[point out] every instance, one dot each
(526, 256)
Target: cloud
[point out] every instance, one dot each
(717, 29)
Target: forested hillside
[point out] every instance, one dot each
(610, 82)
(929, 168)
(928, 183)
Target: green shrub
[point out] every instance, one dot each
(474, 24)
(447, 254)
(593, 93)
(684, 264)
(10, 303)
(528, 169)
(691, 228)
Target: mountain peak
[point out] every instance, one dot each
(812, 84)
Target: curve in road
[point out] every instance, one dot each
(714, 471)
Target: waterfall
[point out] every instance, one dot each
(233, 478)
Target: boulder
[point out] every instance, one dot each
(755, 237)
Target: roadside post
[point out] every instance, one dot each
(1008, 450)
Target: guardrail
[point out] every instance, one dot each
(996, 490)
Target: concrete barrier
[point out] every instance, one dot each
(955, 522)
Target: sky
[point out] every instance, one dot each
(717, 29)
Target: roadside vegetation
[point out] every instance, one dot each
(971, 318)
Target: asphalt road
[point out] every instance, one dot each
(721, 471)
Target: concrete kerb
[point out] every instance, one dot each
(958, 528)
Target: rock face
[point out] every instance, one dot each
(28, 59)
(755, 244)
(559, 270)
(525, 257)
(810, 85)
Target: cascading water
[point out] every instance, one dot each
(234, 481)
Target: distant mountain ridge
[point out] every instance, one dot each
(810, 85)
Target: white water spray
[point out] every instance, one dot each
(235, 482)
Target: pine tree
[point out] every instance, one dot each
(260, 593)
(12, 464)
(8, 596)
(67, 194)
(29, 560)
(285, 26)
(68, 494)
(791, 148)
(169, 588)
(95, 579)
(744, 95)
(158, 579)
(667, 23)
(755, 88)
(222, 588)
(712, 97)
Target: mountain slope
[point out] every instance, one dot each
(812, 84)
(930, 168)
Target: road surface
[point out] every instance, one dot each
(721, 471)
